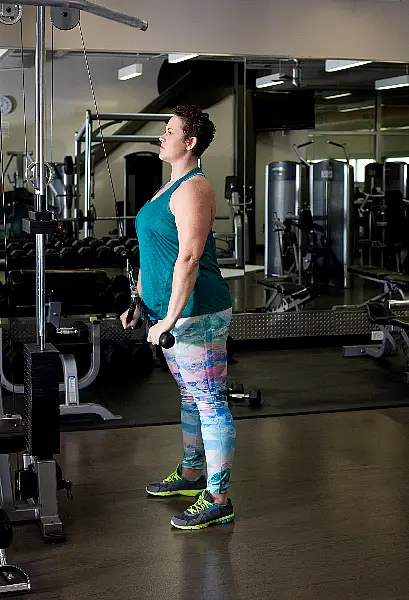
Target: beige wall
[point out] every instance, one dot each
(304, 28)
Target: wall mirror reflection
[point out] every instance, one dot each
(103, 125)
(327, 148)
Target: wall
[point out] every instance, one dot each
(73, 96)
(374, 29)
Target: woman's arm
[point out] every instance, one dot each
(193, 206)
(139, 284)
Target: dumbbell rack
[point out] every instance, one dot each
(63, 253)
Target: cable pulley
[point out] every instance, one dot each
(10, 14)
(64, 18)
(31, 177)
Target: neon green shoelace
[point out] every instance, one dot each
(201, 504)
(173, 477)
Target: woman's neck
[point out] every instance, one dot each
(179, 170)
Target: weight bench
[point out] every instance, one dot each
(395, 332)
(284, 296)
(395, 285)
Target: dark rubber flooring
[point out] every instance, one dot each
(292, 381)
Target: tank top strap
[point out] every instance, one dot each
(192, 173)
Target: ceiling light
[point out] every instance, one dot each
(339, 65)
(337, 96)
(130, 71)
(177, 58)
(392, 82)
(357, 106)
(273, 79)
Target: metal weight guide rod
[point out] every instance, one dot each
(42, 429)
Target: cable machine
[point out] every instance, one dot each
(39, 437)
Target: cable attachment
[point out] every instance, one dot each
(10, 14)
(30, 176)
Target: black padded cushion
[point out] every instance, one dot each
(401, 281)
(379, 314)
(374, 272)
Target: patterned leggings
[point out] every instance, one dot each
(198, 363)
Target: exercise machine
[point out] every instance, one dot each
(235, 251)
(37, 483)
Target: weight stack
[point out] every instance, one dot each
(41, 395)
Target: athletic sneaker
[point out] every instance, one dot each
(203, 513)
(176, 485)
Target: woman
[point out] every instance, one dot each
(181, 284)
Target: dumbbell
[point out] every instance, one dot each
(113, 243)
(52, 257)
(93, 243)
(104, 255)
(14, 250)
(27, 246)
(67, 255)
(132, 246)
(131, 243)
(120, 253)
(236, 392)
(84, 252)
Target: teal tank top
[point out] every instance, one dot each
(158, 251)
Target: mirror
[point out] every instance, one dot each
(306, 119)
(134, 173)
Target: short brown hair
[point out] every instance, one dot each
(196, 124)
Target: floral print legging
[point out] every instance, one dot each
(198, 362)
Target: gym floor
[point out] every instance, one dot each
(322, 514)
(321, 499)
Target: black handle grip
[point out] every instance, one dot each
(167, 340)
(131, 311)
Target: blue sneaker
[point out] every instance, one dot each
(203, 513)
(176, 485)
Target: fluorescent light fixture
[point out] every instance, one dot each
(337, 96)
(392, 82)
(273, 79)
(130, 71)
(177, 58)
(339, 65)
(356, 106)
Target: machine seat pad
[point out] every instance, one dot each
(402, 281)
(374, 272)
(379, 314)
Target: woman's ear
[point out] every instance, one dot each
(191, 143)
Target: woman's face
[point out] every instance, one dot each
(173, 145)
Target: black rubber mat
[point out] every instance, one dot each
(292, 381)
